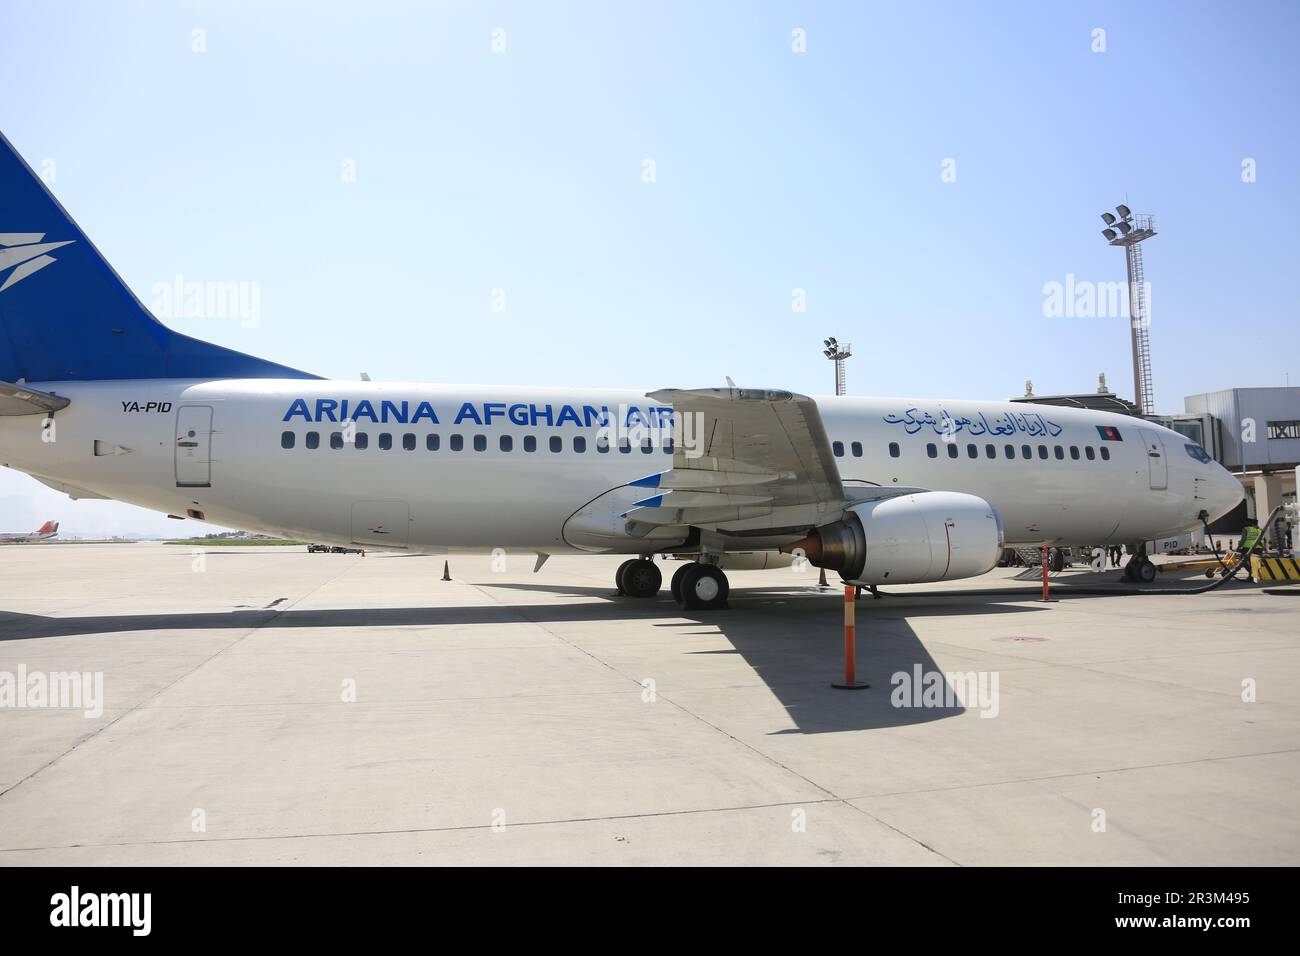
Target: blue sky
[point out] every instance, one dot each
(523, 171)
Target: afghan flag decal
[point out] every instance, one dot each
(1109, 433)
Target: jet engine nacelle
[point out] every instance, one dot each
(910, 539)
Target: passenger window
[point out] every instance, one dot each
(894, 450)
(385, 441)
(602, 445)
(456, 443)
(1042, 452)
(336, 439)
(579, 444)
(506, 443)
(557, 443)
(952, 449)
(1091, 455)
(361, 440)
(1105, 453)
(856, 448)
(990, 451)
(1074, 452)
(408, 442)
(313, 440)
(647, 446)
(480, 442)
(1010, 450)
(431, 442)
(1060, 453)
(972, 451)
(932, 451)
(837, 449)
(1026, 451)
(624, 447)
(286, 439)
(530, 443)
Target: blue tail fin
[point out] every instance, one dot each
(66, 316)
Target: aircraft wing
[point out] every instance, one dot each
(739, 455)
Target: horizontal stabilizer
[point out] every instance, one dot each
(74, 492)
(21, 400)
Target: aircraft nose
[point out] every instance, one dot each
(1228, 492)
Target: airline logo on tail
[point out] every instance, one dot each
(25, 254)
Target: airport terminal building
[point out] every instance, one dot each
(1253, 432)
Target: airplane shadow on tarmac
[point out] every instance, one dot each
(791, 639)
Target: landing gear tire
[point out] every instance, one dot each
(703, 588)
(1146, 572)
(640, 578)
(622, 570)
(675, 585)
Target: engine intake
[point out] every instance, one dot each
(910, 539)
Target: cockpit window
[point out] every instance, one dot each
(1197, 452)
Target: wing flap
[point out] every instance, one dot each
(740, 455)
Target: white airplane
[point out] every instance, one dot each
(43, 533)
(100, 400)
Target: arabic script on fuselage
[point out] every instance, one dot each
(1030, 424)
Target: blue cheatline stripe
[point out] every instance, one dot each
(650, 481)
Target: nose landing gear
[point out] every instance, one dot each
(1140, 568)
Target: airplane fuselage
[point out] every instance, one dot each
(432, 467)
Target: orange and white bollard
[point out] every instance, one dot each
(850, 641)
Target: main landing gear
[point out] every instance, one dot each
(638, 578)
(700, 587)
(695, 586)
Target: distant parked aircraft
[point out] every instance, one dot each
(44, 532)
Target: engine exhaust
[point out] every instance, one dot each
(840, 546)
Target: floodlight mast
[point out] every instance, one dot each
(1128, 231)
(837, 353)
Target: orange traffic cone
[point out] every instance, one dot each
(446, 570)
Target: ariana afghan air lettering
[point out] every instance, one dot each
(405, 412)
